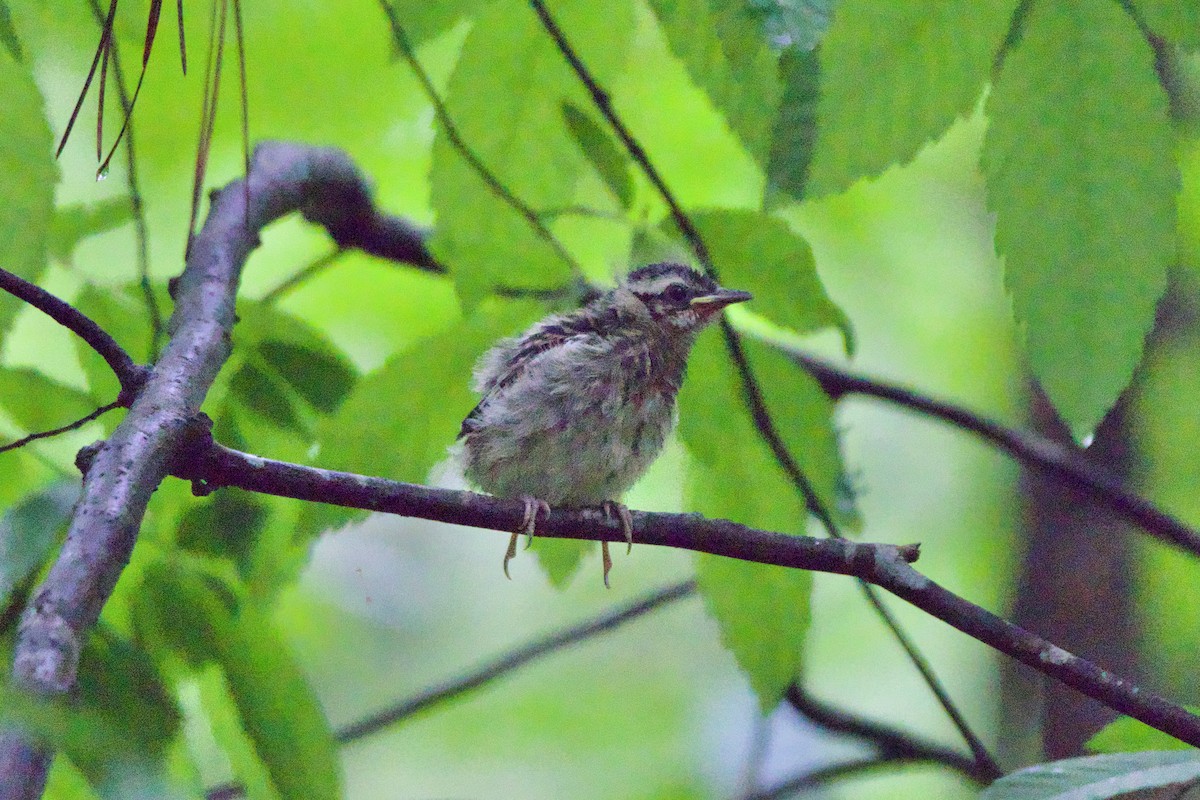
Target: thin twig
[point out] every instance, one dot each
(890, 742)
(1066, 464)
(822, 775)
(79, 423)
(533, 218)
(507, 663)
(131, 375)
(753, 392)
(300, 276)
(141, 232)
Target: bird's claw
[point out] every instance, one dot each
(623, 514)
(533, 506)
(610, 507)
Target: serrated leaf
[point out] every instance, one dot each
(506, 109)
(762, 611)
(29, 530)
(28, 174)
(725, 54)
(894, 76)
(1084, 195)
(796, 128)
(1177, 21)
(793, 24)
(610, 163)
(761, 254)
(73, 224)
(1127, 735)
(1096, 777)
(37, 403)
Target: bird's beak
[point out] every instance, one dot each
(712, 303)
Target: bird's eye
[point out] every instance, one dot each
(676, 293)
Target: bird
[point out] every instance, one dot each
(574, 410)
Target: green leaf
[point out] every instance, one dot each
(321, 376)
(400, 420)
(27, 178)
(1084, 195)
(610, 163)
(507, 112)
(37, 403)
(1177, 21)
(222, 715)
(723, 50)
(73, 224)
(280, 711)
(226, 525)
(120, 681)
(938, 57)
(796, 128)
(424, 20)
(193, 613)
(29, 530)
(761, 254)
(1096, 777)
(264, 395)
(1126, 735)
(762, 611)
(561, 558)
(8, 34)
(795, 25)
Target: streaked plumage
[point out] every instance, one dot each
(574, 410)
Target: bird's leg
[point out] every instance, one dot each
(528, 525)
(622, 512)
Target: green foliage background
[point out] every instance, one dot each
(861, 191)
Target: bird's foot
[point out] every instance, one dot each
(610, 507)
(528, 525)
(622, 511)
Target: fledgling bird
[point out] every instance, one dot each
(575, 409)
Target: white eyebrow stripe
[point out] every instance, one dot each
(660, 284)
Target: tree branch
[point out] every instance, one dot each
(833, 772)
(498, 668)
(131, 375)
(70, 426)
(125, 470)
(1066, 464)
(886, 566)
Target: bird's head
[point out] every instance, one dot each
(678, 296)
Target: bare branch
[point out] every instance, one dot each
(822, 775)
(1066, 464)
(130, 375)
(886, 566)
(498, 668)
(70, 426)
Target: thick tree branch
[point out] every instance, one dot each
(1066, 464)
(125, 470)
(130, 375)
(886, 566)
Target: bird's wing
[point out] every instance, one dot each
(505, 364)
